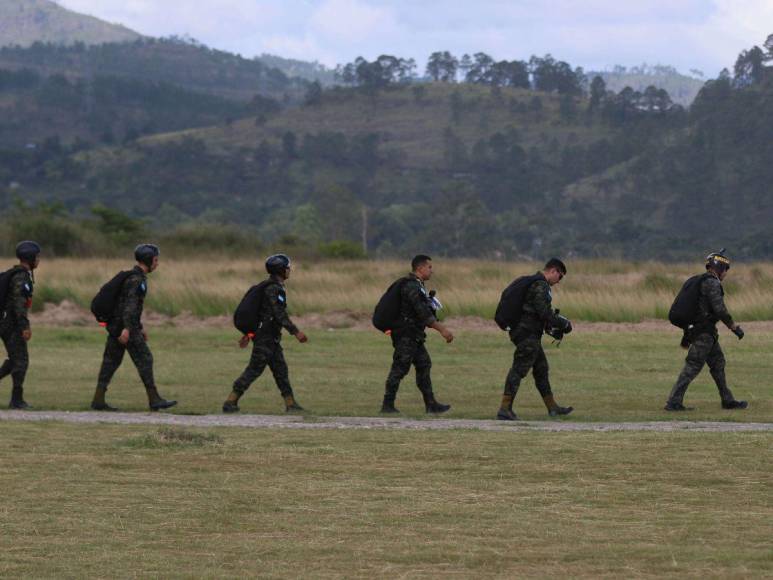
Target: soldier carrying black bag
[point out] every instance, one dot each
(697, 308)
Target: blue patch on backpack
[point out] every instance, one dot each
(143, 289)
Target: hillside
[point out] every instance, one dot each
(24, 22)
(187, 64)
(682, 88)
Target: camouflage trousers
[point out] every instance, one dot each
(529, 355)
(113, 357)
(704, 349)
(409, 350)
(18, 357)
(265, 352)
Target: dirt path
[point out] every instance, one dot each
(298, 422)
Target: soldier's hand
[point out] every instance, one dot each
(145, 336)
(124, 337)
(26, 334)
(447, 335)
(301, 337)
(244, 341)
(738, 331)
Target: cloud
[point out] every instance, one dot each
(706, 34)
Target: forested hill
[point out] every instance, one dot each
(681, 87)
(24, 22)
(519, 160)
(177, 61)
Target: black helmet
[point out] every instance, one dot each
(718, 261)
(144, 253)
(277, 264)
(27, 251)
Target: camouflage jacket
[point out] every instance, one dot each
(19, 300)
(415, 309)
(537, 309)
(131, 301)
(711, 304)
(273, 310)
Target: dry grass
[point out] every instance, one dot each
(593, 291)
(317, 504)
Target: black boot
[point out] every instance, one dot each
(17, 400)
(676, 407)
(506, 412)
(99, 403)
(156, 402)
(291, 405)
(432, 406)
(231, 404)
(388, 406)
(554, 409)
(733, 404)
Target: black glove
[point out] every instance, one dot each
(739, 332)
(567, 326)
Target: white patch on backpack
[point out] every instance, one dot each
(281, 298)
(143, 288)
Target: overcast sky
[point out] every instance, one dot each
(688, 34)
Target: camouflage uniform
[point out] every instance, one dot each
(127, 315)
(266, 345)
(14, 322)
(703, 339)
(527, 338)
(408, 341)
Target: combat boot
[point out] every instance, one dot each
(291, 405)
(388, 406)
(554, 409)
(156, 402)
(506, 412)
(733, 404)
(17, 400)
(231, 404)
(432, 406)
(677, 407)
(99, 403)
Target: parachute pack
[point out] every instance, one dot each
(510, 307)
(386, 316)
(5, 285)
(104, 303)
(247, 314)
(684, 310)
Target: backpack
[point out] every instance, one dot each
(247, 314)
(684, 310)
(5, 286)
(104, 303)
(386, 315)
(510, 307)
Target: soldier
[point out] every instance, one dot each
(702, 338)
(15, 325)
(416, 314)
(527, 338)
(266, 342)
(125, 333)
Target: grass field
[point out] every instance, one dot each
(109, 501)
(606, 376)
(605, 291)
(129, 501)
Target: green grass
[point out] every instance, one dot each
(606, 376)
(363, 504)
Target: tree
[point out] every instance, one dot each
(480, 69)
(598, 93)
(313, 94)
(749, 67)
(442, 66)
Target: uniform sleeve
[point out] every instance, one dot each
(542, 302)
(19, 300)
(416, 298)
(278, 306)
(712, 289)
(132, 309)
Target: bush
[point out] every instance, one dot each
(342, 249)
